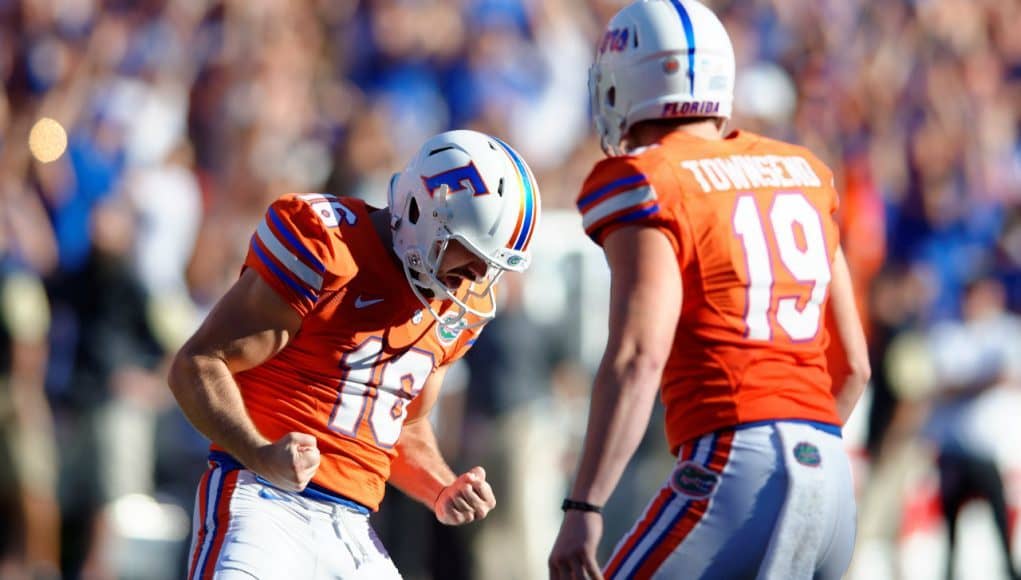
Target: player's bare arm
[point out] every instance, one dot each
(420, 471)
(248, 326)
(645, 304)
(851, 337)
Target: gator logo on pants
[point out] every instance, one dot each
(693, 480)
(807, 454)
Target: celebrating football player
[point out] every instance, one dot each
(314, 374)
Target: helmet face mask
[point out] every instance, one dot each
(423, 274)
(469, 188)
(660, 59)
(608, 121)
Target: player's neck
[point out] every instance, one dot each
(381, 223)
(645, 134)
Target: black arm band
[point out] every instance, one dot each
(583, 506)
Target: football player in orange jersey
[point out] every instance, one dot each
(314, 374)
(724, 257)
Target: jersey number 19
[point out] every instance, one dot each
(805, 259)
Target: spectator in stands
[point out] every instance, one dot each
(971, 358)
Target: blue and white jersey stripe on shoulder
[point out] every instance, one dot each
(625, 198)
(288, 243)
(311, 276)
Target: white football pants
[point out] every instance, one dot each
(769, 501)
(244, 528)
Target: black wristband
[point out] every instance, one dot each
(582, 506)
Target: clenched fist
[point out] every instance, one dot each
(289, 462)
(468, 499)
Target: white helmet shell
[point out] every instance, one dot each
(660, 59)
(473, 188)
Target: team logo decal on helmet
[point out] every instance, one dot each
(472, 188)
(457, 179)
(660, 59)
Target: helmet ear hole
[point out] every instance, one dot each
(611, 96)
(413, 211)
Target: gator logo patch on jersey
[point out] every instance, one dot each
(449, 331)
(807, 454)
(694, 480)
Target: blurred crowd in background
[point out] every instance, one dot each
(185, 118)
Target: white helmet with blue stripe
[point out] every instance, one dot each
(473, 188)
(660, 59)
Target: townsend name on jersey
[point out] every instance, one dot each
(752, 171)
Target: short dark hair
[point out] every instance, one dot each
(673, 121)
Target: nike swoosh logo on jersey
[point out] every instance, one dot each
(361, 302)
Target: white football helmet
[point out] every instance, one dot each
(469, 187)
(660, 59)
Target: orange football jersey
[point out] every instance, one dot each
(365, 348)
(751, 221)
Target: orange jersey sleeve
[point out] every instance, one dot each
(620, 192)
(294, 251)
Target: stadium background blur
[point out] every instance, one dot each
(185, 118)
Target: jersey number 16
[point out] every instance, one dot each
(378, 391)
